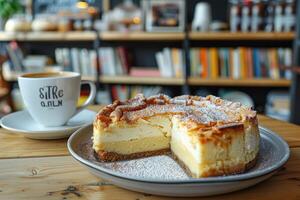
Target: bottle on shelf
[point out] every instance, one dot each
(246, 16)
(269, 16)
(289, 16)
(257, 15)
(234, 15)
(278, 15)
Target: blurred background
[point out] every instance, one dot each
(241, 50)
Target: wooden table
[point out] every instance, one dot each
(33, 169)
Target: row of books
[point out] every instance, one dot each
(117, 61)
(240, 62)
(112, 61)
(234, 63)
(83, 60)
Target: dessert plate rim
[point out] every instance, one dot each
(230, 178)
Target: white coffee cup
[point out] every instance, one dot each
(51, 97)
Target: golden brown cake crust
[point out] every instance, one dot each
(112, 156)
(201, 112)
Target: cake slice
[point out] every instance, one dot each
(208, 136)
(212, 152)
(123, 140)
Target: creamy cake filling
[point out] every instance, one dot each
(140, 145)
(156, 126)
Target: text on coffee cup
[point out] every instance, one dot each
(51, 96)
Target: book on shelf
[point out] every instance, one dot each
(66, 61)
(170, 62)
(123, 54)
(93, 61)
(75, 59)
(144, 72)
(114, 61)
(15, 56)
(278, 105)
(103, 97)
(240, 63)
(85, 62)
(20, 63)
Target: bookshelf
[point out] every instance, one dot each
(48, 36)
(263, 82)
(143, 36)
(151, 42)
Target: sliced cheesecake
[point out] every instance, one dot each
(208, 136)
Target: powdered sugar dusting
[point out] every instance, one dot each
(151, 168)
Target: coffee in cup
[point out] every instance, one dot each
(51, 97)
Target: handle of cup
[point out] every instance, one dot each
(91, 97)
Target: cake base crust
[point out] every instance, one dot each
(112, 156)
(228, 171)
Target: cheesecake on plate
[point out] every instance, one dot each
(208, 136)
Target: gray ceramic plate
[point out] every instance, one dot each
(161, 175)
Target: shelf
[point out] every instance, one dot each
(48, 36)
(80, 36)
(141, 36)
(264, 82)
(89, 36)
(8, 36)
(88, 78)
(13, 76)
(44, 36)
(242, 36)
(193, 81)
(141, 80)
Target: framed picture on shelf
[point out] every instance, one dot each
(164, 15)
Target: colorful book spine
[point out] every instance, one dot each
(204, 62)
(214, 65)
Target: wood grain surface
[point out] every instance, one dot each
(63, 178)
(43, 169)
(16, 146)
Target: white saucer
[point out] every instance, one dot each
(21, 122)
